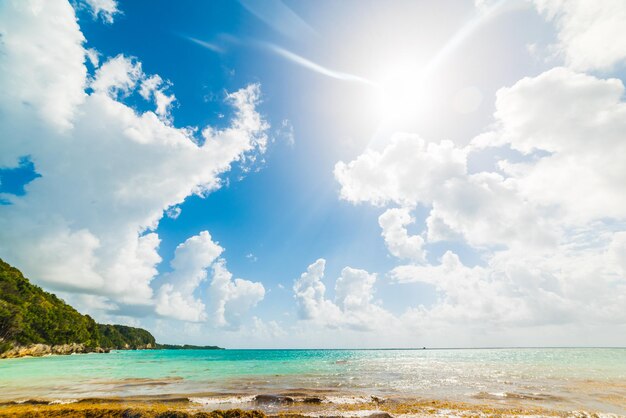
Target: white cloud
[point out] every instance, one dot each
(548, 220)
(151, 88)
(310, 293)
(393, 223)
(286, 132)
(149, 85)
(617, 252)
(354, 306)
(354, 294)
(591, 33)
(105, 9)
(231, 299)
(173, 212)
(517, 289)
(267, 331)
(117, 77)
(483, 207)
(579, 119)
(405, 172)
(191, 260)
(41, 71)
(108, 173)
(174, 304)
(93, 56)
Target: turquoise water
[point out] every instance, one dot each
(565, 378)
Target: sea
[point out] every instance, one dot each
(561, 379)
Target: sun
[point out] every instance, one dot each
(403, 93)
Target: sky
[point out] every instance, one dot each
(321, 174)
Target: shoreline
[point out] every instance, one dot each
(185, 408)
(47, 350)
(296, 404)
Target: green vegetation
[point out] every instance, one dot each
(29, 315)
(121, 337)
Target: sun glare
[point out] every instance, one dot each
(403, 94)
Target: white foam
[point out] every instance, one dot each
(347, 400)
(62, 401)
(338, 413)
(585, 414)
(218, 400)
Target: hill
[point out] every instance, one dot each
(35, 322)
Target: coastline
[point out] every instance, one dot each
(45, 350)
(274, 406)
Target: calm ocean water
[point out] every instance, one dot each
(589, 378)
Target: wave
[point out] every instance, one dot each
(518, 396)
(269, 399)
(42, 402)
(63, 401)
(348, 400)
(214, 400)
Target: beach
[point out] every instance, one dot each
(453, 382)
(181, 407)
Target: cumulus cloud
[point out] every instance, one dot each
(117, 77)
(579, 120)
(512, 294)
(393, 223)
(403, 173)
(154, 88)
(354, 306)
(310, 291)
(191, 259)
(590, 32)
(104, 9)
(548, 220)
(108, 172)
(229, 299)
(482, 207)
(46, 80)
(232, 298)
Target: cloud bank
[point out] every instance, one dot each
(548, 221)
(108, 171)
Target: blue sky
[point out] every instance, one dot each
(402, 143)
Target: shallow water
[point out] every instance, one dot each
(592, 379)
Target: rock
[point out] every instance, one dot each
(273, 399)
(379, 415)
(38, 350)
(312, 400)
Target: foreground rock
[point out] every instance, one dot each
(39, 350)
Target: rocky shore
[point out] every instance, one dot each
(39, 350)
